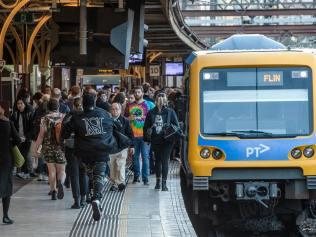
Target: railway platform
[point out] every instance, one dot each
(138, 211)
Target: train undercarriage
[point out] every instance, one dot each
(253, 208)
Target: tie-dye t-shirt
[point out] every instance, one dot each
(137, 114)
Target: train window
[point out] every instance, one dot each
(256, 102)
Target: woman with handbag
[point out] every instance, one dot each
(161, 129)
(9, 137)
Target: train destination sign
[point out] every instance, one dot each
(270, 78)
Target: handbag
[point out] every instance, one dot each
(171, 132)
(18, 158)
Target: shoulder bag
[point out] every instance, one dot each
(171, 131)
(17, 157)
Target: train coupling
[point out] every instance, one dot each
(258, 191)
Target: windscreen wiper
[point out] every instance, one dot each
(253, 132)
(226, 134)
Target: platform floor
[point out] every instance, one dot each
(139, 211)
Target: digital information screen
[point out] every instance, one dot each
(174, 69)
(262, 78)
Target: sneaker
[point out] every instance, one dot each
(96, 210)
(75, 206)
(54, 195)
(114, 188)
(27, 176)
(40, 178)
(146, 182)
(20, 175)
(121, 187)
(45, 178)
(33, 175)
(136, 179)
(89, 198)
(60, 190)
(83, 203)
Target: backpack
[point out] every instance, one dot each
(54, 129)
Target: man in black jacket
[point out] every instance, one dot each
(93, 129)
(22, 117)
(118, 160)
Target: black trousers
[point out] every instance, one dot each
(162, 153)
(77, 174)
(24, 148)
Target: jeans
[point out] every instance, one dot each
(141, 148)
(41, 168)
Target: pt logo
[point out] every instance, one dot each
(93, 126)
(257, 150)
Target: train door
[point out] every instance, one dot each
(185, 140)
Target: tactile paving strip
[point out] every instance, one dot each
(108, 225)
(180, 214)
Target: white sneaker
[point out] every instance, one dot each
(27, 176)
(96, 209)
(40, 177)
(20, 175)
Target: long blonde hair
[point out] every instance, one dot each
(161, 101)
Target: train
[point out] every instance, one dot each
(249, 146)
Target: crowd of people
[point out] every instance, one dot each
(79, 137)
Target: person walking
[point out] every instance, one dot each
(22, 118)
(77, 170)
(156, 122)
(118, 160)
(9, 137)
(94, 141)
(137, 113)
(51, 148)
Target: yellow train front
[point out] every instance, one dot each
(249, 155)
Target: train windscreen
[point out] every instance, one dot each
(256, 102)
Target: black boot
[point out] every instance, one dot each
(5, 206)
(157, 183)
(54, 195)
(76, 204)
(7, 220)
(164, 186)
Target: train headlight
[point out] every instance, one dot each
(205, 153)
(296, 153)
(308, 152)
(217, 154)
